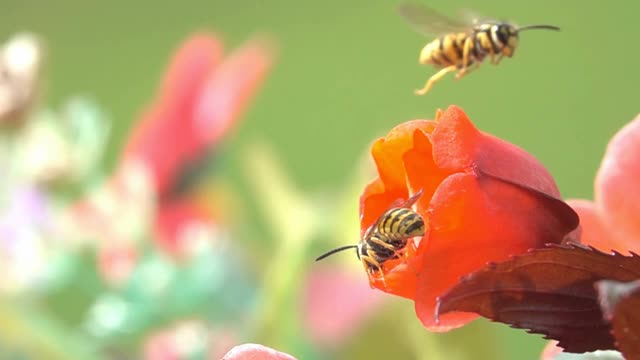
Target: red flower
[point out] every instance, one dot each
(483, 200)
(200, 98)
(611, 220)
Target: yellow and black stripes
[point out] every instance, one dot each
(483, 40)
(387, 238)
(399, 223)
(464, 45)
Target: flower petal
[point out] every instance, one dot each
(387, 152)
(457, 145)
(227, 91)
(332, 320)
(421, 170)
(476, 219)
(455, 140)
(374, 201)
(616, 186)
(169, 115)
(199, 55)
(255, 352)
(551, 351)
(391, 185)
(595, 231)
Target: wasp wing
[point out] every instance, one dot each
(430, 22)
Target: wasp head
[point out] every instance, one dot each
(507, 34)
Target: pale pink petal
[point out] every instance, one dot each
(227, 91)
(595, 231)
(255, 352)
(160, 347)
(168, 116)
(116, 262)
(336, 304)
(551, 351)
(616, 187)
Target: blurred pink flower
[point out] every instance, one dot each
(255, 352)
(188, 340)
(331, 319)
(551, 351)
(610, 221)
(116, 262)
(118, 214)
(200, 98)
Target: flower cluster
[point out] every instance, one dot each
(68, 225)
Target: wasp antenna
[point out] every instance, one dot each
(331, 252)
(548, 27)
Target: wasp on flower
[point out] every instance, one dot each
(388, 237)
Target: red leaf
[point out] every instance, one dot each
(620, 304)
(547, 291)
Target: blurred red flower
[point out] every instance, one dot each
(199, 99)
(610, 222)
(484, 199)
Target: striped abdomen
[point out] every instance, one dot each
(390, 235)
(445, 51)
(449, 49)
(400, 223)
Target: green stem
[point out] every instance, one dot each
(39, 336)
(293, 224)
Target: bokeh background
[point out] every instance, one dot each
(344, 75)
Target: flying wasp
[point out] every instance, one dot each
(388, 236)
(464, 46)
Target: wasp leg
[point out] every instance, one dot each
(380, 276)
(466, 50)
(385, 245)
(435, 78)
(497, 60)
(465, 71)
(369, 261)
(468, 45)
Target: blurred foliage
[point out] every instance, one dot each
(345, 75)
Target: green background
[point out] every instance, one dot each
(345, 74)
